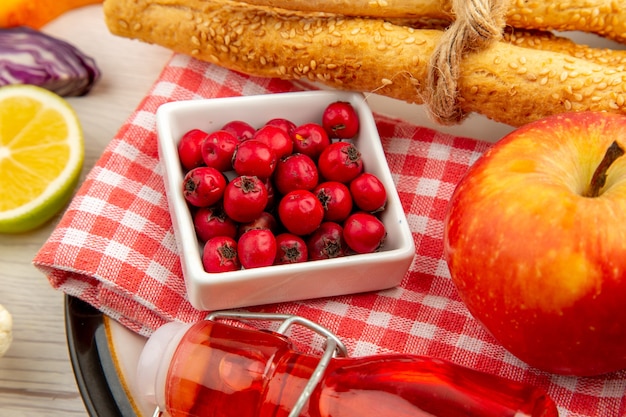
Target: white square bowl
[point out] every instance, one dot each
(280, 283)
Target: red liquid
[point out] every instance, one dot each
(224, 371)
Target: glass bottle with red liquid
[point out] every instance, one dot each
(213, 368)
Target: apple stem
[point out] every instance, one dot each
(599, 176)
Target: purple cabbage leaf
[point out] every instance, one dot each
(28, 56)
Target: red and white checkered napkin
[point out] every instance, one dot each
(115, 248)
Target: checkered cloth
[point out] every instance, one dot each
(115, 248)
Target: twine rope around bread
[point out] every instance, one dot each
(478, 24)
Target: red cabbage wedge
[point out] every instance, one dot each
(28, 56)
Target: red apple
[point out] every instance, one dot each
(538, 253)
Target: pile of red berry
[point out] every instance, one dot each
(281, 193)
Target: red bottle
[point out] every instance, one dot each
(212, 369)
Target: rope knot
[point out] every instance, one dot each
(477, 25)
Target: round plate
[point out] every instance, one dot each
(96, 372)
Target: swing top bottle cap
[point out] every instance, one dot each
(155, 359)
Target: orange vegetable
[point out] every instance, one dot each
(36, 13)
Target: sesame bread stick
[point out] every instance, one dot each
(505, 82)
(603, 17)
(431, 9)
(543, 40)
(547, 41)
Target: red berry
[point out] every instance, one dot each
(336, 200)
(295, 172)
(290, 249)
(340, 120)
(368, 192)
(285, 124)
(326, 242)
(240, 129)
(245, 198)
(218, 149)
(276, 138)
(341, 161)
(220, 255)
(203, 186)
(254, 158)
(310, 139)
(264, 221)
(364, 232)
(300, 212)
(271, 193)
(210, 222)
(256, 248)
(190, 149)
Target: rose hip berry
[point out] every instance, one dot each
(272, 195)
(203, 186)
(295, 172)
(285, 124)
(326, 242)
(256, 248)
(265, 220)
(364, 232)
(340, 120)
(336, 200)
(245, 198)
(218, 149)
(210, 222)
(310, 139)
(341, 161)
(368, 192)
(290, 249)
(300, 212)
(254, 158)
(189, 148)
(240, 129)
(220, 255)
(276, 138)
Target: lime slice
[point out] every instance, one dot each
(41, 156)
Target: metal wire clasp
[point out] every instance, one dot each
(334, 347)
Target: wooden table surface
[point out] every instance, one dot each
(36, 377)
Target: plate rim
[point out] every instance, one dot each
(101, 390)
